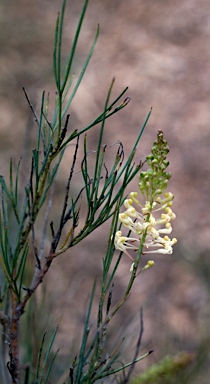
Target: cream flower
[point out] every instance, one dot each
(144, 222)
(122, 243)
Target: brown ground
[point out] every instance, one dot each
(160, 49)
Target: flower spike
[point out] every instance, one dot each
(151, 223)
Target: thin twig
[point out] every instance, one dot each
(138, 344)
(66, 197)
(35, 117)
(32, 108)
(47, 213)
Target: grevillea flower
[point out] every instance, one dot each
(157, 228)
(149, 224)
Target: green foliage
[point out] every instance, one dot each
(22, 207)
(43, 372)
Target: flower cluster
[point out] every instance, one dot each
(150, 226)
(145, 222)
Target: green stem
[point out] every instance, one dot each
(135, 266)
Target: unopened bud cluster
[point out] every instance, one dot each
(154, 181)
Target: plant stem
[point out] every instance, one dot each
(17, 311)
(14, 364)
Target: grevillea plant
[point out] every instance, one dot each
(103, 190)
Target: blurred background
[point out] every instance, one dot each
(160, 50)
